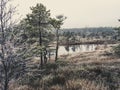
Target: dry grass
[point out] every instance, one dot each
(98, 70)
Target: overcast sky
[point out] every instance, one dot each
(79, 13)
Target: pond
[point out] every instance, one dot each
(76, 49)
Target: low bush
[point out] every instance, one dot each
(117, 50)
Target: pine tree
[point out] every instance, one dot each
(38, 30)
(57, 23)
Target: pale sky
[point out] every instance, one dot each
(79, 13)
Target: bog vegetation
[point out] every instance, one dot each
(26, 53)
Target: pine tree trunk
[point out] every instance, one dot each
(40, 43)
(57, 45)
(45, 56)
(41, 53)
(6, 81)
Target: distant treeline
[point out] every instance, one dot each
(88, 35)
(107, 30)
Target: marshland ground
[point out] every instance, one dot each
(26, 44)
(95, 70)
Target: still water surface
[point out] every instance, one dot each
(76, 49)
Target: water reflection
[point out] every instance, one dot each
(76, 49)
